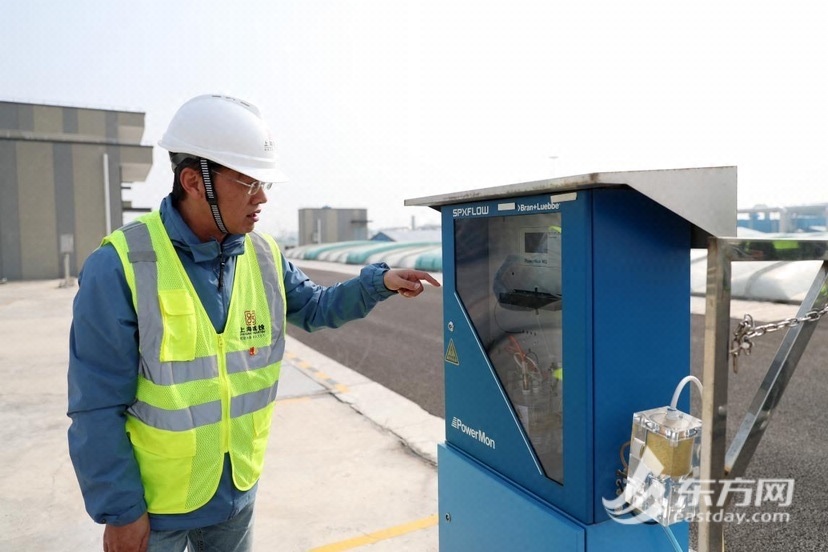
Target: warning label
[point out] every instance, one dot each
(451, 353)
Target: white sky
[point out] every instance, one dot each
(375, 101)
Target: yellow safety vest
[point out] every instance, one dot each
(201, 394)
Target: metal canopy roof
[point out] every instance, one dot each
(704, 196)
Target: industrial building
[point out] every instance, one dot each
(785, 220)
(327, 225)
(63, 170)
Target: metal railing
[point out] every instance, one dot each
(718, 462)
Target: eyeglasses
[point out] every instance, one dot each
(252, 187)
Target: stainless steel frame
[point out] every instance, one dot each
(717, 462)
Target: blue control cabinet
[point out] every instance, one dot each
(566, 310)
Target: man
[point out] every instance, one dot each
(177, 339)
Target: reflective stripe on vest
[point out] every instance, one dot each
(200, 394)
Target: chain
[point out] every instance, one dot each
(747, 330)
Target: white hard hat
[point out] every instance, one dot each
(227, 131)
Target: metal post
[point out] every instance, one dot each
(714, 399)
(67, 279)
(107, 206)
(67, 247)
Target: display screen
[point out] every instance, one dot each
(534, 242)
(509, 279)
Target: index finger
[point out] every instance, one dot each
(428, 278)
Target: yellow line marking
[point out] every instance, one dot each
(318, 375)
(383, 534)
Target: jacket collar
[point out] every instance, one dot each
(186, 241)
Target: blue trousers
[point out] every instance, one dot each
(233, 535)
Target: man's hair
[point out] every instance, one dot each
(180, 162)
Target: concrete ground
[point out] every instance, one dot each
(351, 465)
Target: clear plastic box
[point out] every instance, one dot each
(663, 471)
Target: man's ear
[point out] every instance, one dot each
(191, 182)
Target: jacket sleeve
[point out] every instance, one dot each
(312, 307)
(102, 378)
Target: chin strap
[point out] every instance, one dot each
(211, 196)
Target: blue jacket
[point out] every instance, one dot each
(103, 361)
